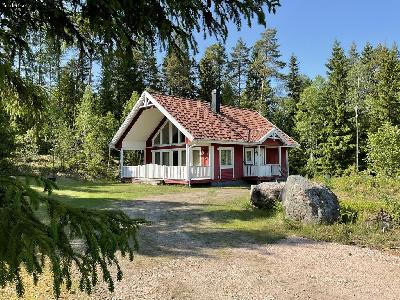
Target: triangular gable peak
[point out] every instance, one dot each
(145, 101)
(277, 134)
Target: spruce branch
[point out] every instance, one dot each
(36, 228)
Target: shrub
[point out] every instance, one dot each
(384, 151)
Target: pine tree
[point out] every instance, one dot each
(178, 71)
(212, 70)
(265, 67)
(337, 148)
(238, 68)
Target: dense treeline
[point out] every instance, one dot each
(86, 95)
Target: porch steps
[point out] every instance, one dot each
(147, 181)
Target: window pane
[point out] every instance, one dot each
(165, 134)
(249, 156)
(175, 158)
(175, 135)
(181, 137)
(183, 158)
(226, 157)
(157, 139)
(165, 158)
(196, 158)
(156, 158)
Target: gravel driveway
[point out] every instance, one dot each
(174, 263)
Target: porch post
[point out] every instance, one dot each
(258, 160)
(287, 162)
(121, 162)
(211, 160)
(280, 160)
(188, 164)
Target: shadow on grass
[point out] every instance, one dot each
(187, 229)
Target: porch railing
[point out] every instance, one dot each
(262, 171)
(153, 171)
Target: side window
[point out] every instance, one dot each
(156, 158)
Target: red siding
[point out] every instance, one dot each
(226, 173)
(270, 142)
(272, 155)
(238, 161)
(283, 157)
(216, 161)
(149, 159)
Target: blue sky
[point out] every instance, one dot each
(308, 29)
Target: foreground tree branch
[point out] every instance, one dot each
(36, 229)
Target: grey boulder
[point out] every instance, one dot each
(264, 195)
(309, 202)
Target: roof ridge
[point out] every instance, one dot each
(201, 101)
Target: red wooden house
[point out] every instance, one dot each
(190, 141)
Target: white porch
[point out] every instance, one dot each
(268, 170)
(154, 171)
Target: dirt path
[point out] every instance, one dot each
(179, 261)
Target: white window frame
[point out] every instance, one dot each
(171, 156)
(247, 162)
(232, 166)
(159, 132)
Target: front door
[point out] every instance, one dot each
(226, 163)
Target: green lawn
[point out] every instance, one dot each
(99, 194)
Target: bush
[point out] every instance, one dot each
(384, 151)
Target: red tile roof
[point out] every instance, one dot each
(231, 124)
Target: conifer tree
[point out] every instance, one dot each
(265, 67)
(310, 120)
(238, 68)
(337, 147)
(212, 70)
(178, 70)
(384, 102)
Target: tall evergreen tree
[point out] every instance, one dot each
(178, 71)
(238, 68)
(310, 120)
(212, 70)
(337, 148)
(265, 67)
(144, 55)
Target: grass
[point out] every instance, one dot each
(99, 194)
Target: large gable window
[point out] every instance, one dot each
(165, 135)
(168, 135)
